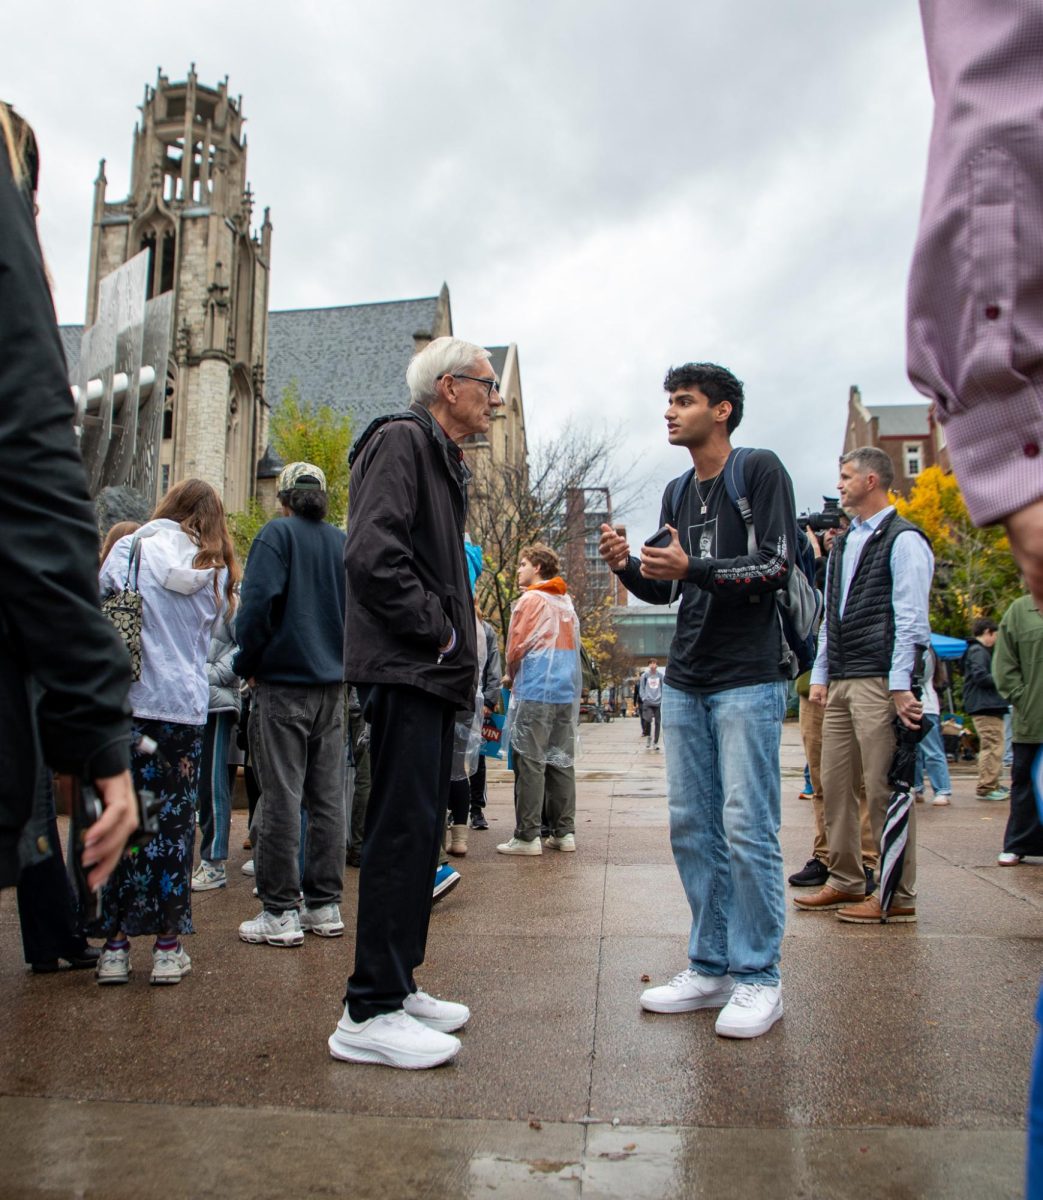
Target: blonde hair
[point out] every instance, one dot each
(20, 143)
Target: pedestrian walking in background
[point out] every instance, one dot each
(983, 702)
(650, 693)
(930, 753)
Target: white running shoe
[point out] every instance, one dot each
(208, 876)
(248, 867)
(394, 1040)
(169, 966)
(443, 1015)
(687, 992)
(324, 921)
(517, 846)
(113, 967)
(752, 1010)
(942, 798)
(277, 929)
(566, 843)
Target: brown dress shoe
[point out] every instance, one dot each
(869, 912)
(826, 899)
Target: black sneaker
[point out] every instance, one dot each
(478, 820)
(814, 874)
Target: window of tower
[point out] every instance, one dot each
(168, 422)
(166, 265)
(148, 242)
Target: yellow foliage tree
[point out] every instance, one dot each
(975, 574)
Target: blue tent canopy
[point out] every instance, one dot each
(947, 647)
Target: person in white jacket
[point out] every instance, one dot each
(186, 577)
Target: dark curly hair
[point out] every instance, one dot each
(716, 384)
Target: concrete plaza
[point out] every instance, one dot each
(899, 1070)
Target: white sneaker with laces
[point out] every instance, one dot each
(208, 876)
(941, 798)
(169, 966)
(113, 967)
(277, 929)
(566, 843)
(394, 1040)
(248, 867)
(443, 1015)
(752, 1010)
(687, 992)
(323, 921)
(517, 846)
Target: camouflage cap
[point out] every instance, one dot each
(305, 476)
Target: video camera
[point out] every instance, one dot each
(828, 518)
(85, 807)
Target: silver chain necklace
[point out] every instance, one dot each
(705, 500)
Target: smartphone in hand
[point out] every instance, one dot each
(660, 539)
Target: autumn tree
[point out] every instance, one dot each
(512, 507)
(975, 574)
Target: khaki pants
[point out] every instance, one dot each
(857, 747)
(811, 716)
(990, 752)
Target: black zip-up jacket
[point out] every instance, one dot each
(980, 695)
(407, 587)
(53, 636)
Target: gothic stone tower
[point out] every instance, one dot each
(190, 207)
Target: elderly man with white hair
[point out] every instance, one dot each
(409, 647)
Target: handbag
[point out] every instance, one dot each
(123, 609)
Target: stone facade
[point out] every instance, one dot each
(191, 208)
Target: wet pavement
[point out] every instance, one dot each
(899, 1070)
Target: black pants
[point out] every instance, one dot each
(477, 787)
(47, 907)
(411, 758)
(1024, 833)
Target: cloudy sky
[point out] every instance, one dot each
(614, 187)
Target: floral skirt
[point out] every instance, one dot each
(150, 890)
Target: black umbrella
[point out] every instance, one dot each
(896, 822)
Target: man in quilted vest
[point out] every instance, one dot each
(878, 581)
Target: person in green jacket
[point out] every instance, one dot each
(1017, 667)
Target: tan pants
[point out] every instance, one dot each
(811, 716)
(990, 752)
(857, 746)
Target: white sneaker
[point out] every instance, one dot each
(517, 846)
(1006, 859)
(566, 843)
(687, 992)
(942, 798)
(208, 876)
(393, 1039)
(169, 966)
(248, 867)
(324, 921)
(443, 1015)
(277, 929)
(113, 967)
(752, 1010)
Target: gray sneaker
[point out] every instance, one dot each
(277, 929)
(323, 921)
(169, 966)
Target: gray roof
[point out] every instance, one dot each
(497, 359)
(352, 358)
(901, 420)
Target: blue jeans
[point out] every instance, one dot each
(930, 757)
(724, 791)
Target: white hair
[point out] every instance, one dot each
(443, 356)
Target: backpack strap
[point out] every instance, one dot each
(735, 485)
(675, 498)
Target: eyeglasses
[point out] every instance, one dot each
(491, 385)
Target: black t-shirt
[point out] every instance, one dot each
(728, 633)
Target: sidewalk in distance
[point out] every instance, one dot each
(899, 1069)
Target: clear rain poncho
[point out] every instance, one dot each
(543, 661)
(467, 730)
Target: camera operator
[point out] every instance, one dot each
(55, 645)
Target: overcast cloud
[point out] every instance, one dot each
(614, 188)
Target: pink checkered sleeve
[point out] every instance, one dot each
(975, 316)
